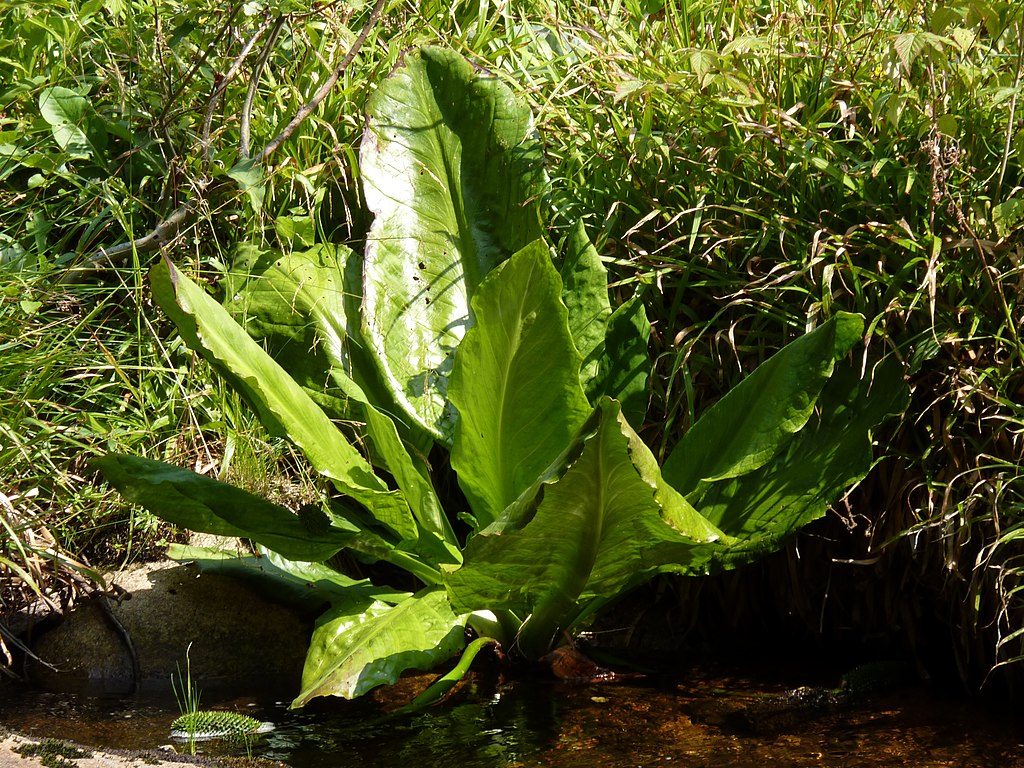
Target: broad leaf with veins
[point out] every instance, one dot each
(452, 172)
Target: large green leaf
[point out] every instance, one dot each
(378, 542)
(515, 383)
(75, 126)
(452, 172)
(199, 503)
(282, 405)
(598, 530)
(304, 306)
(363, 644)
(831, 453)
(433, 536)
(310, 585)
(750, 424)
(585, 293)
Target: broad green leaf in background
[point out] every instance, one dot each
(1008, 216)
(252, 179)
(199, 503)
(744, 429)
(282, 405)
(585, 293)
(452, 171)
(308, 585)
(625, 366)
(910, 45)
(76, 128)
(297, 229)
(616, 360)
(305, 306)
(831, 453)
(515, 383)
(598, 530)
(359, 646)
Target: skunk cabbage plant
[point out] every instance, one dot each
(460, 330)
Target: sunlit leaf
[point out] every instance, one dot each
(516, 384)
(282, 405)
(365, 643)
(199, 503)
(310, 585)
(304, 306)
(452, 171)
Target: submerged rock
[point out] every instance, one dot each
(235, 638)
(570, 665)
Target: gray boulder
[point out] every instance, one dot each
(238, 641)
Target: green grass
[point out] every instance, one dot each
(751, 168)
(79, 377)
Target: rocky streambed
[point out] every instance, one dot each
(110, 691)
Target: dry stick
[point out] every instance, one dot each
(232, 73)
(167, 229)
(325, 89)
(161, 234)
(254, 82)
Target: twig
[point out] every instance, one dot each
(325, 89)
(222, 85)
(254, 84)
(167, 229)
(200, 61)
(997, 196)
(125, 636)
(160, 235)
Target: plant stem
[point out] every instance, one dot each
(446, 682)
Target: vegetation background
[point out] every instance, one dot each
(753, 166)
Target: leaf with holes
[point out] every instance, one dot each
(452, 171)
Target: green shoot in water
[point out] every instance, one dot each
(187, 697)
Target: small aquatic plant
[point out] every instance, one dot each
(195, 724)
(188, 694)
(209, 725)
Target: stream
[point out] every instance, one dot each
(713, 718)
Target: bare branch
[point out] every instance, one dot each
(169, 228)
(254, 83)
(162, 234)
(232, 73)
(325, 89)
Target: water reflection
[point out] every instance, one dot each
(706, 723)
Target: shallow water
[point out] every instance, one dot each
(711, 720)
